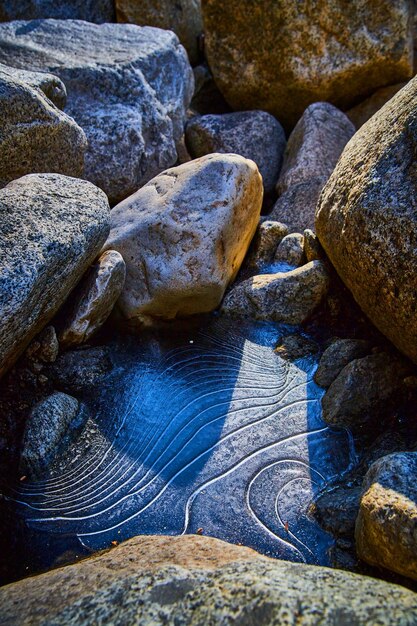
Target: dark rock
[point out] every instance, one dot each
(78, 370)
(363, 111)
(45, 347)
(337, 356)
(312, 248)
(90, 10)
(296, 346)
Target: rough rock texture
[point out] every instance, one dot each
(267, 237)
(52, 227)
(185, 234)
(296, 346)
(363, 389)
(386, 524)
(363, 111)
(291, 250)
(289, 297)
(131, 111)
(93, 300)
(366, 219)
(51, 85)
(296, 207)
(255, 135)
(282, 56)
(90, 10)
(183, 17)
(194, 580)
(45, 428)
(337, 356)
(76, 370)
(337, 508)
(35, 136)
(44, 347)
(312, 248)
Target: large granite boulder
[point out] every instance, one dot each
(366, 219)
(255, 135)
(51, 228)
(386, 524)
(194, 580)
(284, 55)
(35, 136)
(90, 10)
(128, 88)
(183, 17)
(184, 235)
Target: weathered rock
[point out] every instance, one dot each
(207, 99)
(35, 135)
(386, 524)
(291, 250)
(93, 300)
(296, 207)
(337, 509)
(183, 17)
(312, 247)
(366, 219)
(363, 111)
(45, 429)
(51, 85)
(185, 234)
(132, 112)
(255, 135)
(339, 354)
(289, 297)
(265, 242)
(296, 346)
(76, 370)
(200, 580)
(44, 347)
(90, 10)
(364, 389)
(282, 57)
(52, 227)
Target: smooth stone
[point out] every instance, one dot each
(386, 524)
(339, 354)
(132, 113)
(52, 228)
(291, 250)
(363, 111)
(51, 85)
(264, 244)
(312, 247)
(296, 207)
(36, 136)
(45, 347)
(202, 580)
(98, 11)
(256, 135)
(184, 236)
(93, 300)
(364, 389)
(183, 17)
(366, 219)
(281, 57)
(290, 297)
(77, 370)
(45, 428)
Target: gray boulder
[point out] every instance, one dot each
(366, 219)
(339, 354)
(289, 297)
(296, 207)
(291, 250)
(51, 229)
(35, 136)
(132, 112)
(193, 580)
(51, 85)
(90, 10)
(256, 135)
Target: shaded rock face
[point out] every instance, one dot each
(196, 580)
(264, 244)
(183, 17)
(255, 135)
(93, 301)
(296, 207)
(291, 250)
(289, 297)
(363, 111)
(386, 525)
(89, 10)
(280, 57)
(35, 135)
(184, 235)
(52, 227)
(366, 219)
(339, 354)
(132, 112)
(75, 370)
(51, 85)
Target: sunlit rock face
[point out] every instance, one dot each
(198, 429)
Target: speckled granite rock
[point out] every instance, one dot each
(282, 56)
(296, 207)
(51, 229)
(76, 370)
(185, 234)
(35, 135)
(363, 111)
(132, 112)
(90, 10)
(51, 85)
(289, 297)
(291, 250)
(339, 354)
(256, 135)
(194, 580)
(366, 219)
(264, 244)
(386, 524)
